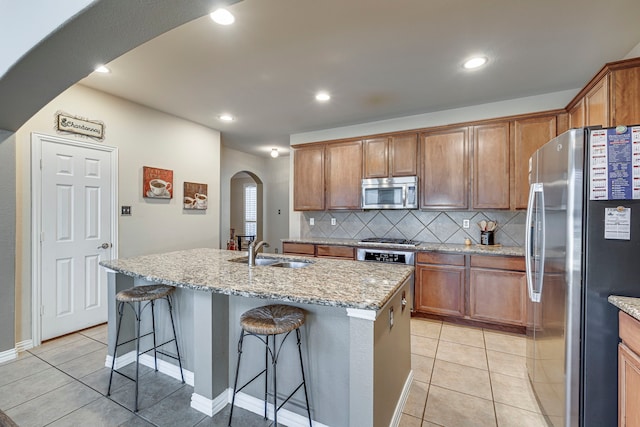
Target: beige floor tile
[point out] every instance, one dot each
(409, 421)
(416, 399)
(513, 391)
(428, 424)
(426, 327)
(509, 416)
(463, 379)
(462, 354)
(506, 342)
(452, 409)
(422, 367)
(56, 343)
(508, 364)
(462, 335)
(424, 346)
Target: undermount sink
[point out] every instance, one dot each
(273, 262)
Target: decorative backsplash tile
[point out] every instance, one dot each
(423, 226)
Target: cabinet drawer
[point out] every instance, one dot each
(498, 262)
(298, 248)
(335, 251)
(439, 258)
(629, 331)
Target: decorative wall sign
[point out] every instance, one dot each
(195, 196)
(157, 183)
(66, 123)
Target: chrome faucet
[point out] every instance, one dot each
(253, 250)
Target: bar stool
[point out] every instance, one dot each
(265, 323)
(134, 297)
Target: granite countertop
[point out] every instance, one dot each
(436, 247)
(629, 305)
(338, 283)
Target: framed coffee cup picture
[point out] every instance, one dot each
(195, 196)
(157, 183)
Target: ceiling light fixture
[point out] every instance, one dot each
(102, 69)
(222, 17)
(274, 153)
(226, 117)
(323, 96)
(475, 62)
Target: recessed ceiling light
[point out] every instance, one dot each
(475, 62)
(102, 69)
(222, 17)
(226, 117)
(323, 96)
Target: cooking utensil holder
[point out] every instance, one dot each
(487, 238)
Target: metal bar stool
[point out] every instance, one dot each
(134, 297)
(265, 323)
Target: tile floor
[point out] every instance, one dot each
(462, 377)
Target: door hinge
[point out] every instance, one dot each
(41, 236)
(42, 310)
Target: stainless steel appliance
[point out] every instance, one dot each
(385, 255)
(572, 332)
(390, 193)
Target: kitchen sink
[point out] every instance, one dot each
(258, 260)
(274, 262)
(292, 264)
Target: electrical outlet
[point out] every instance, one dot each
(333, 221)
(312, 221)
(465, 223)
(125, 210)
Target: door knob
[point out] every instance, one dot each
(104, 246)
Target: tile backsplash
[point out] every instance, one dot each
(423, 226)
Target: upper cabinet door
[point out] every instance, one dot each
(596, 103)
(577, 115)
(625, 86)
(491, 166)
(403, 154)
(308, 178)
(344, 175)
(529, 135)
(444, 176)
(376, 157)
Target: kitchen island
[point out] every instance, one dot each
(356, 338)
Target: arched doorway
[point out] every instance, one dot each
(245, 208)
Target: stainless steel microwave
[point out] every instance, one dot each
(390, 193)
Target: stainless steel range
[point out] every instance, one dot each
(392, 255)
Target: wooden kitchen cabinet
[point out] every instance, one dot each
(628, 371)
(490, 177)
(390, 156)
(343, 175)
(444, 171)
(625, 89)
(529, 135)
(292, 248)
(577, 115)
(336, 252)
(308, 176)
(498, 290)
(596, 104)
(440, 284)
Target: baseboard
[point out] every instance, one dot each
(397, 414)
(286, 417)
(8, 355)
(164, 367)
(24, 345)
(208, 406)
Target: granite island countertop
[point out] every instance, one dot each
(435, 247)
(330, 282)
(629, 305)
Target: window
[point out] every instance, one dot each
(250, 210)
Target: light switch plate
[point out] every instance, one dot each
(465, 223)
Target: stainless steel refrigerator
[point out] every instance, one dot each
(572, 331)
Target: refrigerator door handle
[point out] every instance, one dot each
(531, 244)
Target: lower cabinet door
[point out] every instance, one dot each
(498, 296)
(628, 387)
(440, 290)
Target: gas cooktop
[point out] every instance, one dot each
(391, 241)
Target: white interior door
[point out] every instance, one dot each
(76, 207)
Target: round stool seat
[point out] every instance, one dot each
(272, 319)
(144, 293)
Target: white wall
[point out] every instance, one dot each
(274, 174)
(634, 53)
(144, 137)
